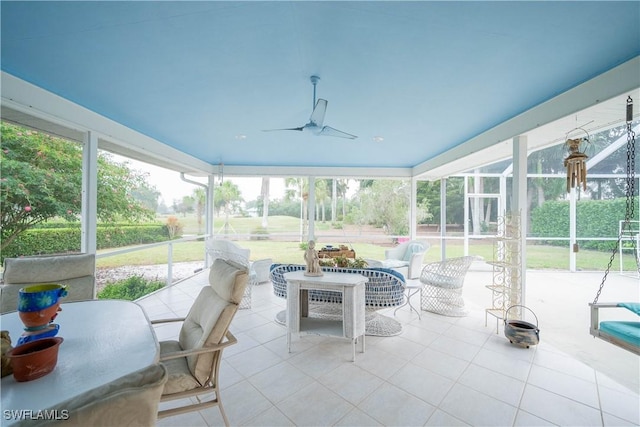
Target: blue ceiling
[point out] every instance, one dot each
(208, 77)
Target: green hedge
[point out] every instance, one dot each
(595, 218)
(41, 241)
(130, 289)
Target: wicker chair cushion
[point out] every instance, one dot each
(413, 248)
(442, 281)
(180, 378)
(394, 263)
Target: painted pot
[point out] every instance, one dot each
(34, 359)
(519, 332)
(38, 305)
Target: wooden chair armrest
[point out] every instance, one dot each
(231, 339)
(604, 304)
(176, 319)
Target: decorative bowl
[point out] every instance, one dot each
(519, 332)
(34, 359)
(522, 333)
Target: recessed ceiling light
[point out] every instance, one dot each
(241, 136)
(378, 138)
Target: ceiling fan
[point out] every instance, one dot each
(315, 125)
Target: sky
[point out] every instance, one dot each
(171, 186)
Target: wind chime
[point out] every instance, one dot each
(576, 160)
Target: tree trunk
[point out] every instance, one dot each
(334, 199)
(265, 202)
(487, 212)
(476, 206)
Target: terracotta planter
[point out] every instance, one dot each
(34, 359)
(35, 320)
(38, 305)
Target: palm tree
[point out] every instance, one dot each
(227, 197)
(322, 193)
(299, 187)
(342, 186)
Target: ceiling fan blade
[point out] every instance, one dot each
(275, 130)
(329, 131)
(317, 116)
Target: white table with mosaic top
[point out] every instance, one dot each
(352, 325)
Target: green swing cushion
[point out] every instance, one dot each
(626, 331)
(632, 306)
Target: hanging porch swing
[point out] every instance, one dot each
(624, 334)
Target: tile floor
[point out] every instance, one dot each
(440, 371)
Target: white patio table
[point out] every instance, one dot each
(103, 340)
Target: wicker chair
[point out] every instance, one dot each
(384, 289)
(407, 257)
(442, 283)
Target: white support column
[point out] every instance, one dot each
(209, 215)
(311, 203)
(573, 226)
(209, 212)
(519, 202)
(413, 209)
(443, 219)
(89, 214)
(466, 216)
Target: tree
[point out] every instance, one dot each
(385, 204)
(41, 179)
(298, 187)
(341, 190)
(429, 192)
(322, 193)
(200, 197)
(227, 197)
(147, 195)
(185, 205)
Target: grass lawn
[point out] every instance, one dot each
(538, 256)
(281, 251)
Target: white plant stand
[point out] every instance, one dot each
(507, 268)
(352, 324)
